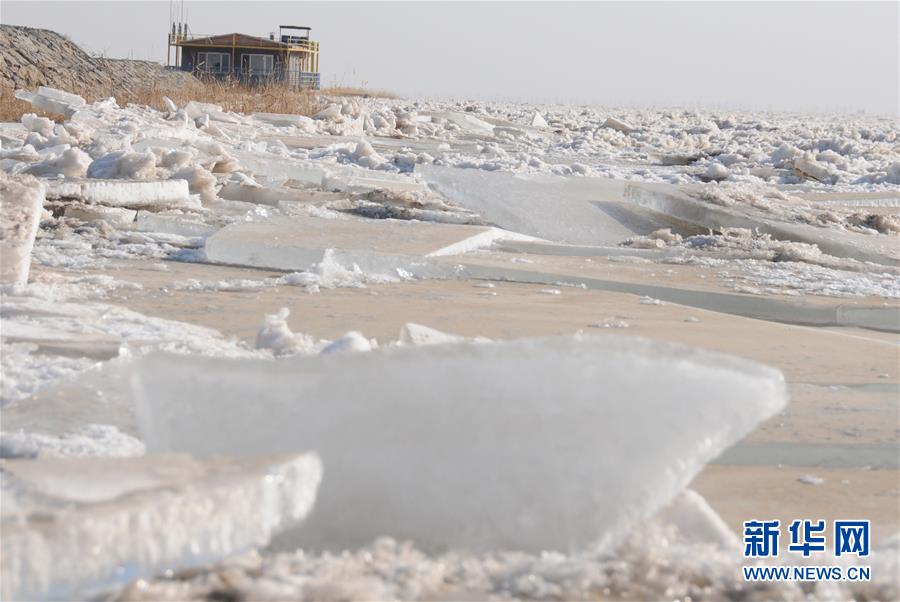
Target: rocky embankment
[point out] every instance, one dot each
(33, 57)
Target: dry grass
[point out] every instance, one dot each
(270, 98)
(353, 91)
(230, 96)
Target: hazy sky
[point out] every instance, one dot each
(805, 55)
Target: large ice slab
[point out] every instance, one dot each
(297, 243)
(682, 203)
(73, 527)
(576, 210)
(132, 194)
(350, 178)
(603, 211)
(275, 166)
(537, 444)
(21, 203)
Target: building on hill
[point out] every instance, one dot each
(291, 58)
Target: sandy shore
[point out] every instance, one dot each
(843, 381)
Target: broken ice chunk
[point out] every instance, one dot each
(172, 224)
(538, 121)
(810, 479)
(416, 334)
(807, 166)
(200, 181)
(360, 183)
(118, 216)
(276, 335)
(164, 194)
(466, 122)
(71, 163)
(21, 203)
(196, 110)
(716, 171)
(617, 124)
(535, 444)
(301, 121)
(74, 527)
(352, 342)
(52, 100)
(274, 166)
(124, 165)
(330, 113)
(264, 195)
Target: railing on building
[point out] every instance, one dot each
(195, 39)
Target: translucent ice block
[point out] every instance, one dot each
(75, 527)
(21, 203)
(537, 444)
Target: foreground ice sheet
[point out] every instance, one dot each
(513, 445)
(74, 527)
(21, 203)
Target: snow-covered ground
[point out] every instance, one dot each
(505, 452)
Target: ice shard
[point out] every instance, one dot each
(535, 444)
(74, 527)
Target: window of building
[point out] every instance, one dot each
(213, 62)
(258, 64)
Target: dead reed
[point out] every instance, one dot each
(267, 98)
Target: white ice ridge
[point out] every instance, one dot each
(73, 528)
(21, 203)
(485, 446)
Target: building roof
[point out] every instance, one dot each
(236, 39)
